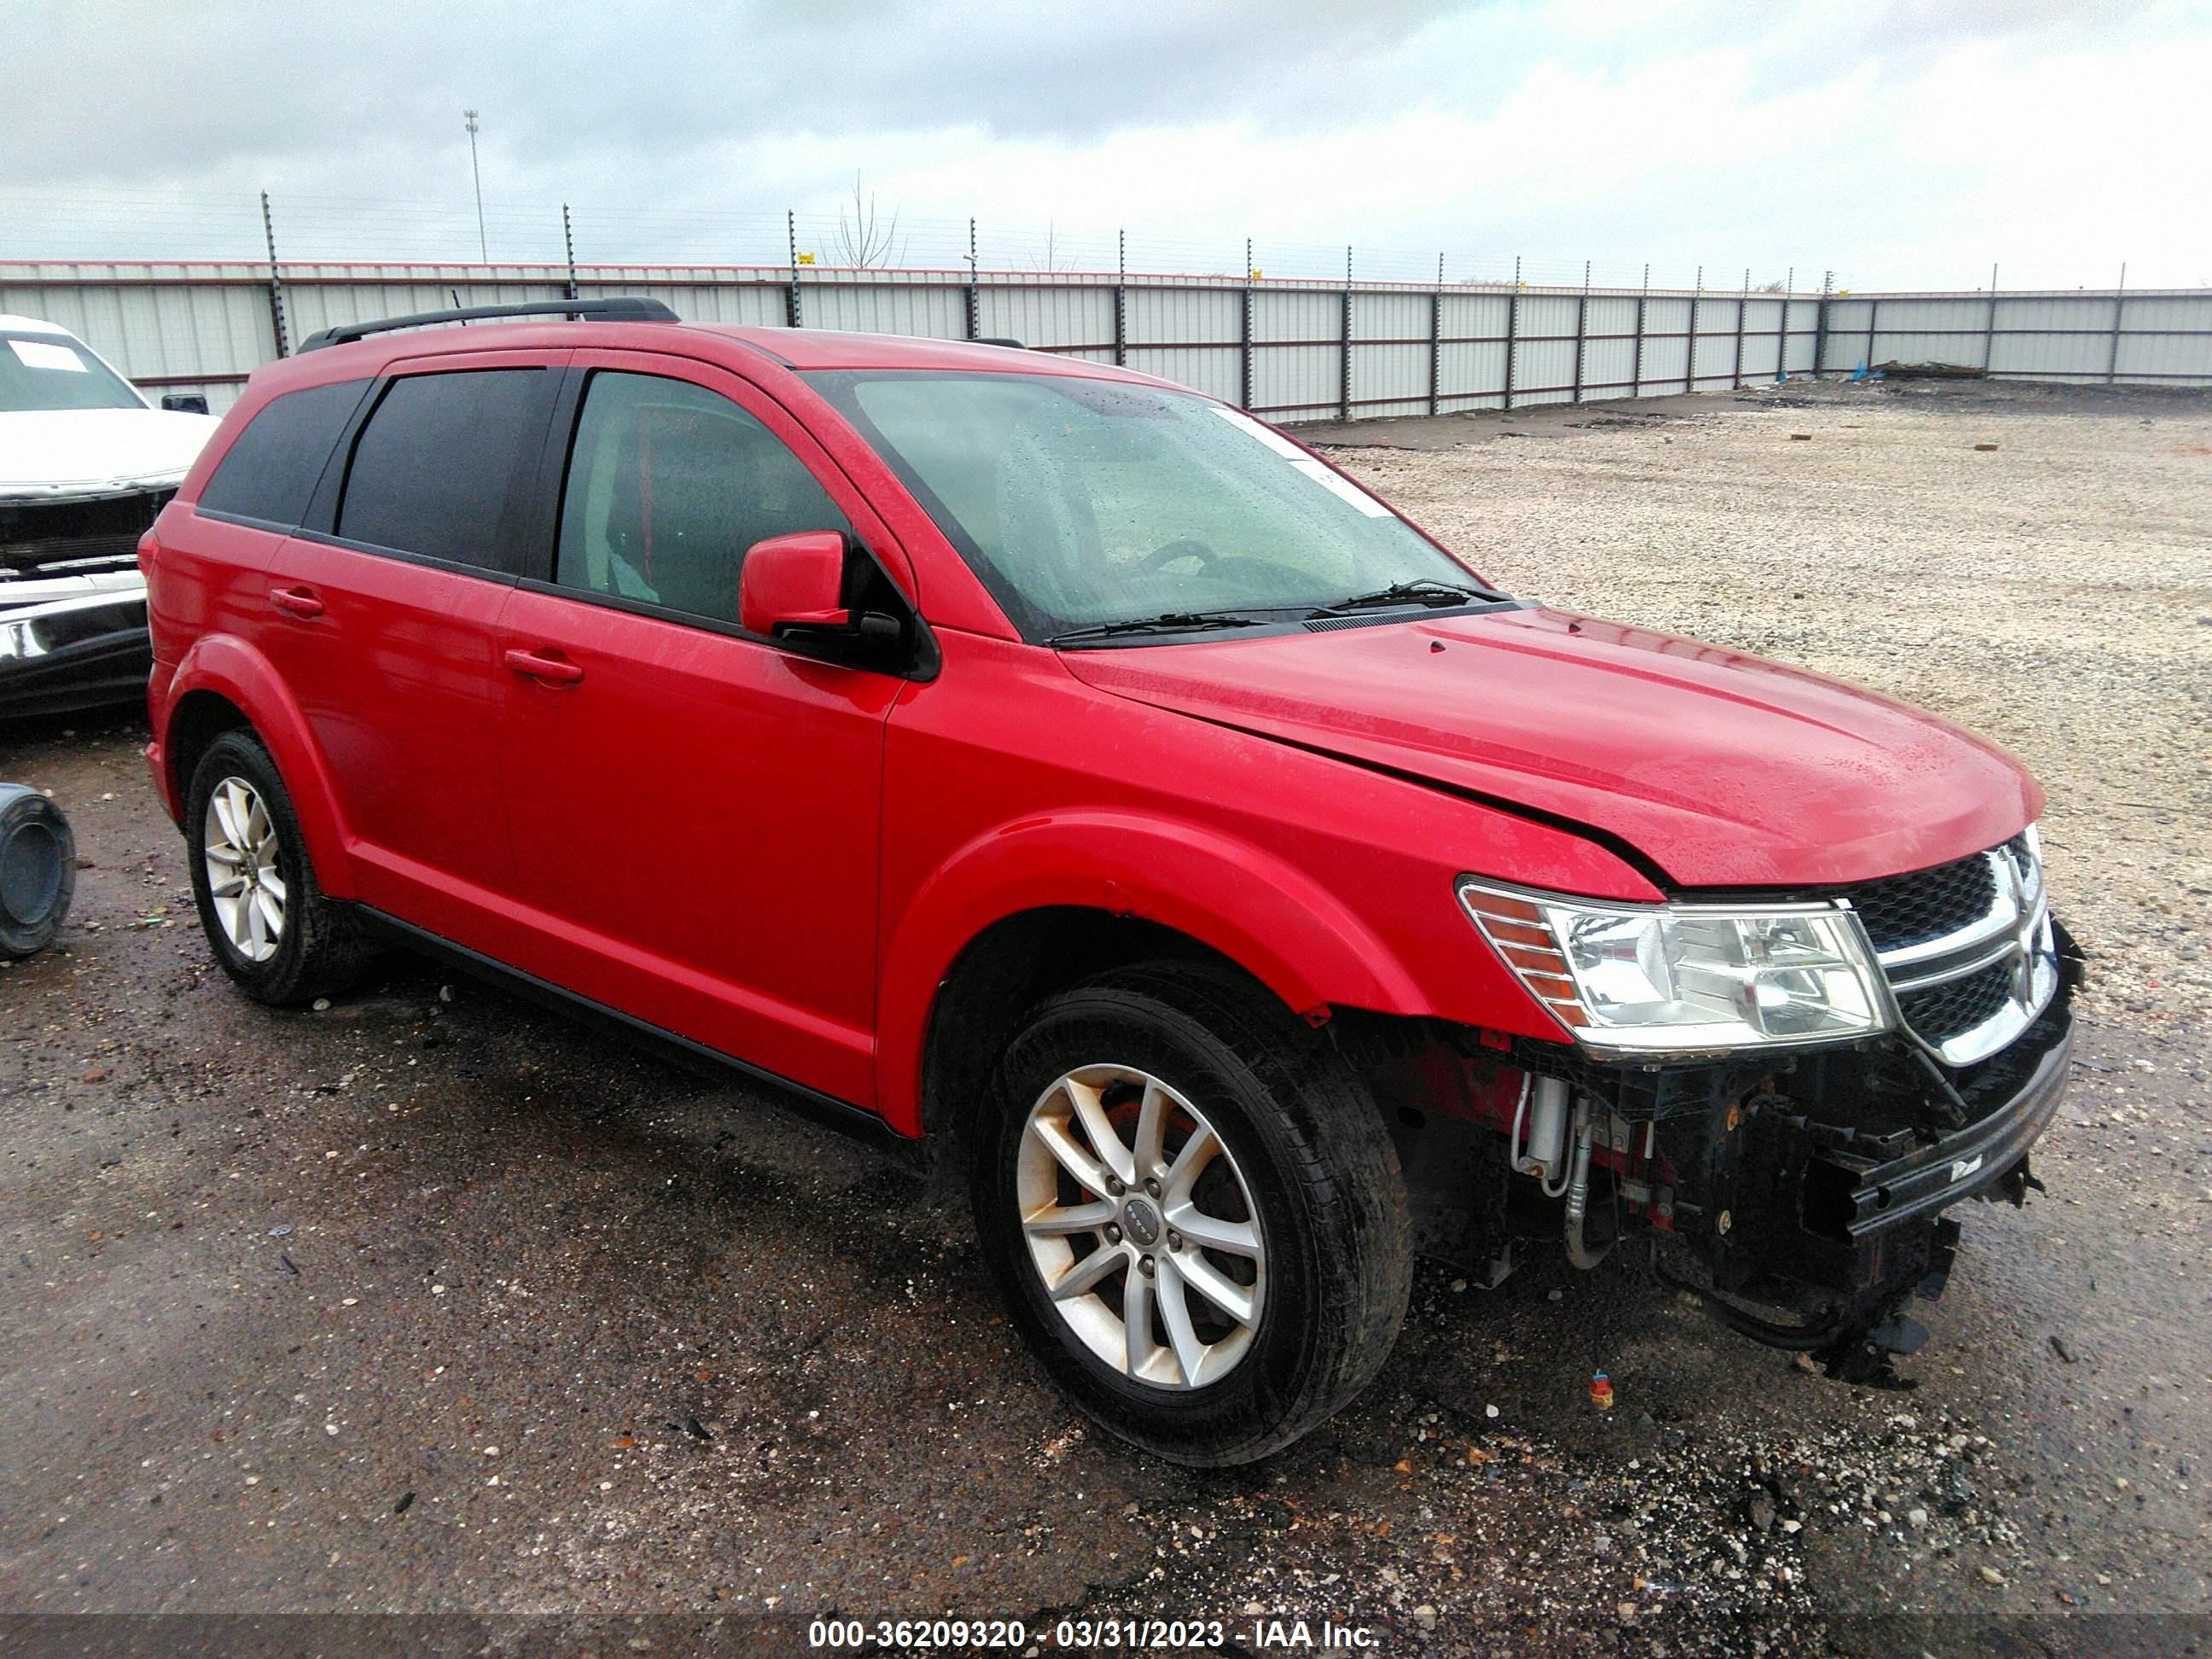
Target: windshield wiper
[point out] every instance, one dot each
(1434, 594)
(1171, 621)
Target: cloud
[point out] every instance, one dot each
(1899, 143)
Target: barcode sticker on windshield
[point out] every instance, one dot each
(38, 354)
(1335, 483)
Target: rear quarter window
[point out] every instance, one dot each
(438, 463)
(270, 473)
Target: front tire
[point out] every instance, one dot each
(259, 903)
(1194, 1212)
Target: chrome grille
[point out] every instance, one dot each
(1950, 1010)
(1903, 910)
(1967, 947)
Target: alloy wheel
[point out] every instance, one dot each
(1141, 1227)
(239, 843)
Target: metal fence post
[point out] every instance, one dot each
(1821, 325)
(1742, 305)
(791, 315)
(1120, 298)
(1690, 351)
(1512, 330)
(1581, 328)
(975, 295)
(1436, 337)
(276, 281)
(2119, 305)
(1990, 332)
(569, 243)
(1874, 310)
(1781, 329)
(1343, 368)
(1244, 336)
(1636, 369)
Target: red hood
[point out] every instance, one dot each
(1723, 769)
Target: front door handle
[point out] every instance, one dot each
(295, 601)
(554, 670)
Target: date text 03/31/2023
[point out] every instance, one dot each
(990, 1635)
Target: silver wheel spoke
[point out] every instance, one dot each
(1053, 1133)
(1232, 1299)
(272, 914)
(229, 857)
(1137, 1325)
(1175, 1314)
(230, 888)
(1088, 1273)
(1098, 1129)
(273, 884)
(1150, 1152)
(1190, 1162)
(1236, 1237)
(1077, 1218)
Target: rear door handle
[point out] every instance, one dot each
(554, 670)
(295, 601)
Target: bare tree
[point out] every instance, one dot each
(864, 239)
(1053, 259)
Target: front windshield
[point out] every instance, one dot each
(51, 371)
(1082, 502)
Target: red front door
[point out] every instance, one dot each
(694, 811)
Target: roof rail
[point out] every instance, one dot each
(622, 310)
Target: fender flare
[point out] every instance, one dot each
(1262, 912)
(226, 666)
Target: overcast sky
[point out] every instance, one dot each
(1901, 143)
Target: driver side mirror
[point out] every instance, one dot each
(184, 402)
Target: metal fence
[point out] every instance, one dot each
(1290, 350)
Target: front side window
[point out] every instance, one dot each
(669, 483)
(40, 370)
(437, 464)
(1082, 502)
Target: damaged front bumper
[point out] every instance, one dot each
(1803, 1200)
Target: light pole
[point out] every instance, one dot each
(470, 117)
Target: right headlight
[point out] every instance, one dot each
(1678, 979)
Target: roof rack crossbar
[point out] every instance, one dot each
(620, 310)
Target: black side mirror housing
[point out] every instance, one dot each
(184, 402)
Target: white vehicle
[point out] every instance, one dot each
(85, 464)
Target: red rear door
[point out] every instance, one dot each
(383, 625)
(694, 811)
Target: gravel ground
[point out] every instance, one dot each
(2052, 591)
(456, 1326)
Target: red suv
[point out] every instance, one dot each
(1067, 770)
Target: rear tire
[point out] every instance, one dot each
(261, 906)
(1213, 1317)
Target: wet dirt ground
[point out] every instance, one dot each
(429, 1304)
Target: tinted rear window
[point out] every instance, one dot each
(270, 472)
(436, 465)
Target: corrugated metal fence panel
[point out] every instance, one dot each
(1390, 317)
(1297, 382)
(1214, 370)
(1666, 344)
(1390, 380)
(940, 313)
(1185, 316)
(1280, 315)
(1056, 318)
(204, 326)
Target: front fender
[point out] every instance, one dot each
(232, 668)
(1270, 918)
